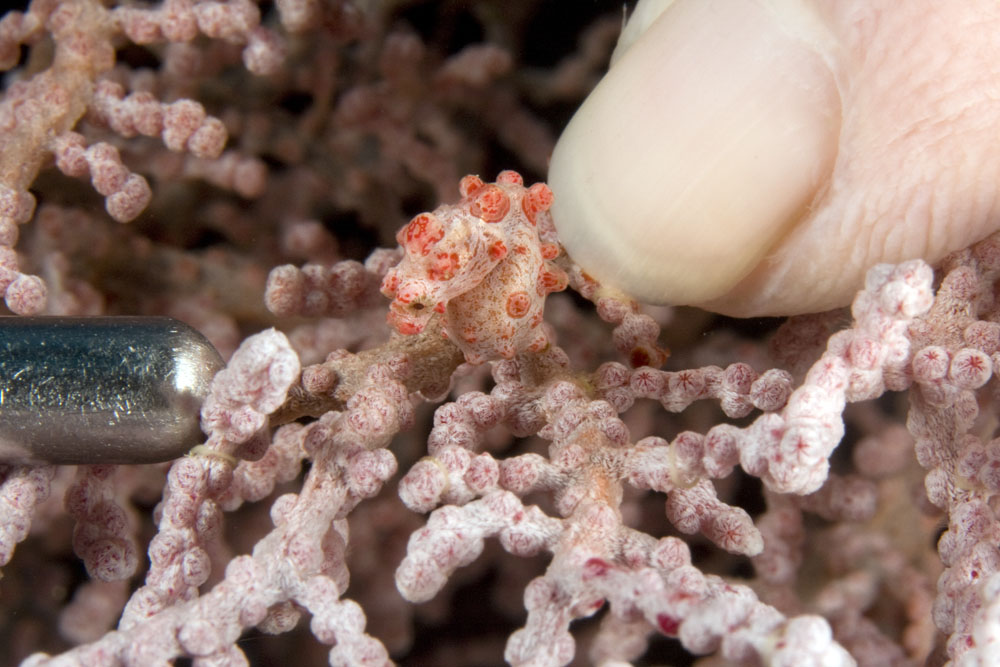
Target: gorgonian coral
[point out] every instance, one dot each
(477, 450)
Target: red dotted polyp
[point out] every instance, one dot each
(491, 204)
(538, 198)
(457, 262)
(420, 234)
(518, 304)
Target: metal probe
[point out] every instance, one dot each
(102, 389)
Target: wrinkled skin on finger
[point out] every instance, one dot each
(757, 158)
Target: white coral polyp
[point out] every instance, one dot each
(254, 384)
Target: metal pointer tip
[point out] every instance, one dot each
(101, 389)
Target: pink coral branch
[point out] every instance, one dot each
(759, 500)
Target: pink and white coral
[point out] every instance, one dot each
(253, 385)
(556, 479)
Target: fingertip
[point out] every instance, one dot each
(695, 153)
(642, 16)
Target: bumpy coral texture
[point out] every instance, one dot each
(482, 265)
(822, 491)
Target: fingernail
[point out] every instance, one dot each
(712, 132)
